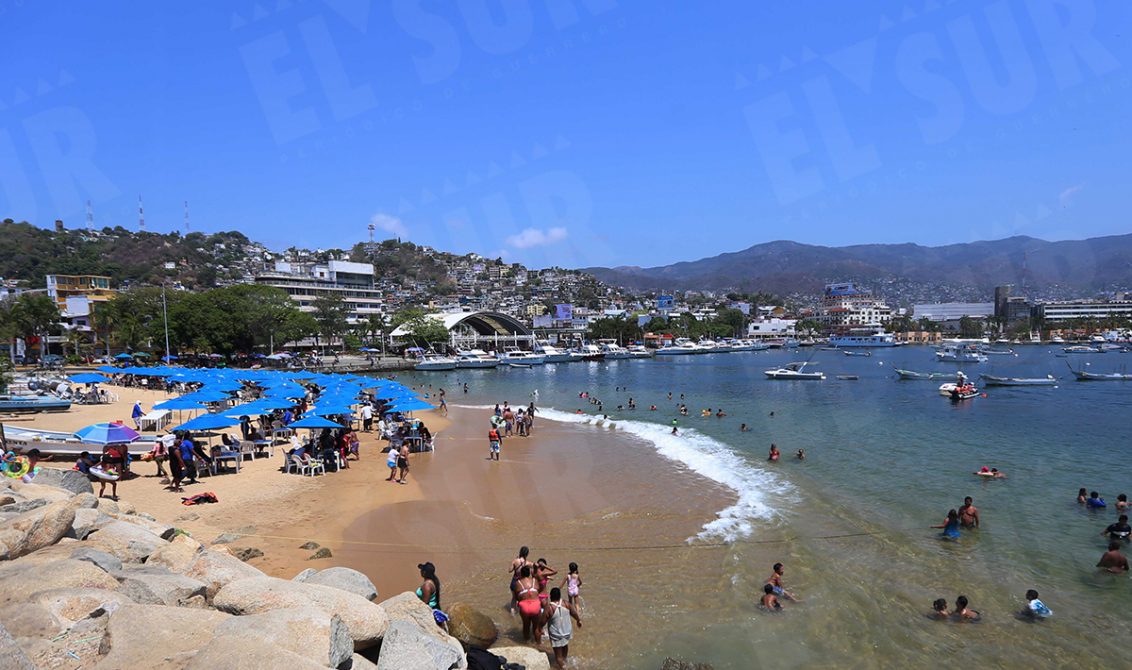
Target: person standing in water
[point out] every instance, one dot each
(1112, 560)
(774, 455)
(556, 616)
(950, 525)
(775, 582)
(969, 514)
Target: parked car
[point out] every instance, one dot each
(51, 360)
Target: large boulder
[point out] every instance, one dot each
(20, 579)
(162, 530)
(340, 578)
(38, 528)
(13, 657)
(156, 636)
(29, 620)
(237, 653)
(86, 522)
(41, 492)
(367, 622)
(216, 569)
(471, 627)
(68, 480)
(306, 631)
(523, 658)
(176, 556)
(129, 542)
(407, 647)
(102, 559)
(70, 606)
(155, 585)
(408, 607)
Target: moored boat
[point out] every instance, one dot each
(909, 374)
(960, 353)
(552, 354)
(517, 355)
(794, 371)
(475, 358)
(992, 380)
(858, 353)
(435, 363)
(33, 403)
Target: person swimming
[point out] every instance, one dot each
(939, 609)
(801, 455)
(773, 456)
(950, 525)
(769, 601)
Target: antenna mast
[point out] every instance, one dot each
(141, 215)
(89, 216)
(186, 217)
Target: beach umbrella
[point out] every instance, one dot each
(88, 378)
(207, 396)
(141, 354)
(107, 433)
(314, 422)
(179, 403)
(124, 357)
(108, 368)
(168, 358)
(329, 410)
(274, 403)
(207, 422)
(410, 405)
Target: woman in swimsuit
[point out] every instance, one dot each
(516, 566)
(543, 573)
(773, 457)
(429, 590)
(950, 525)
(558, 625)
(530, 607)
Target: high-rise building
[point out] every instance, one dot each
(845, 305)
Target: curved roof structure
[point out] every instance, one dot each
(483, 323)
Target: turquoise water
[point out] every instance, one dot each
(886, 459)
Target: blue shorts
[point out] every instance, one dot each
(495, 447)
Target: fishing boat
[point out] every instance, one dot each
(909, 374)
(991, 380)
(1083, 376)
(960, 353)
(435, 363)
(517, 355)
(475, 359)
(857, 353)
(794, 371)
(33, 403)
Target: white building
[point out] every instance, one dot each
(952, 311)
(771, 328)
(305, 282)
(1085, 309)
(845, 306)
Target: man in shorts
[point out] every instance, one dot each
(494, 443)
(403, 463)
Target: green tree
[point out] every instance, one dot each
(731, 322)
(427, 331)
(32, 315)
(971, 327)
(330, 313)
(617, 328)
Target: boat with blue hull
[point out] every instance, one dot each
(32, 403)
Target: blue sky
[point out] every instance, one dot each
(571, 132)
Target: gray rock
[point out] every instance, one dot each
(15, 578)
(408, 607)
(85, 523)
(226, 538)
(345, 579)
(40, 491)
(367, 621)
(470, 626)
(156, 636)
(69, 480)
(304, 575)
(247, 553)
(12, 656)
(162, 530)
(70, 606)
(155, 585)
(310, 545)
(35, 529)
(306, 631)
(177, 555)
(407, 647)
(523, 658)
(24, 506)
(324, 552)
(102, 559)
(359, 662)
(108, 506)
(233, 653)
(216, 569)
(128, 541)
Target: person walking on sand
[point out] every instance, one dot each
(443, 403)
(367, 417)
(559, 629)
(391, 463)
(969, 514)
(403, 463)
(494, 442)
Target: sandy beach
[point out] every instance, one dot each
(586, 494)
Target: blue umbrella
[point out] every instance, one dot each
(207, 422)
(88, 378)
(329, 410)
(108, 368)
(124, 357)
(274, 403)
(107, 433)
(315, 422)
(179, 403)
(410, 405)
(168, 358)
(206, 396)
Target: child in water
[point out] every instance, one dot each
(573, 584)
(950, 525)
(769, 601)
(1035, 608)
(939, 609)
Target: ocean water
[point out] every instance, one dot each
(885, 460)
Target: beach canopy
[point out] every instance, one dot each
(410, 405)
(124, 357)
(315, 422)
(330, 410)
(207, 422)
(108, 368)
(179, 403)
(207, 396)
(88, 378)
(107, 433)
(168, 358)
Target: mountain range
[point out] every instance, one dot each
(955, 271)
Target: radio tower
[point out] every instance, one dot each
(141, 215)
(371, 233)
(89, 216)
(186, 217)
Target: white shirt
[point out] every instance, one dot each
(367, 412)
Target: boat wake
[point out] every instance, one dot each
(709, 458)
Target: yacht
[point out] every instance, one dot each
(436, 362)
(640, 351)
(1082, 349)
(958, 353)
(794, 371)
(551, 354)
(615, 352)
(475, 358)
(516, 356)
(591, 352)
(877, 339)
(681, 347)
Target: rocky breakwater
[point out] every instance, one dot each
(90, 583)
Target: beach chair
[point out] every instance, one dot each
(309, 468)
(247, 449)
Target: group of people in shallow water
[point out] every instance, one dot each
(774, 592)
(546, 609)
(1113, 560)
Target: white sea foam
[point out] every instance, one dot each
(709, 458)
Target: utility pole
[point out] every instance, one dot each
(141, 215)
(165, 317)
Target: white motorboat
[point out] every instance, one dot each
(864, 339)
(475, 358)
(794, 371)
(640, 351)
(517, 355)
(615, 352)
(591, 352)
(552, 354)
(681, 347)
(435, 363)
(991, 380)
(1082, 349)
(960, 353)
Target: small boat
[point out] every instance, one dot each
(960, 354)
(866, 354)
(991, 380)
(999, 352)
(1083, 376)
(520, 365)
(640, 351)
(435, 363)
(475, 359)
(33, 403)
(848, 378)
(1082, 349)
(794, 371)
(517, 355)
(615, 352)
(909, 374)
(829, 349)
(964, 391)
(551, 354)
(591, 352)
